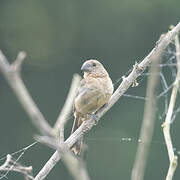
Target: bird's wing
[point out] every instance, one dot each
(80, 89)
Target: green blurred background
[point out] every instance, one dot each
(58, 37)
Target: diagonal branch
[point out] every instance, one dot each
(11, 73)
(126, 83)
(75, 165)
(67, 108)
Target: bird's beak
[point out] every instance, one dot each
(86, 67)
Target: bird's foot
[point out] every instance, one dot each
(94, 117)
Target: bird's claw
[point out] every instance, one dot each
(94, 117)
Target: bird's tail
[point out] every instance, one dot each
(77, 147)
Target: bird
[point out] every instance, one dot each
(94, 91)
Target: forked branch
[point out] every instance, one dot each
(13, 77)
(11, 73)
(11, 165)
(167, 124)
(138, 69)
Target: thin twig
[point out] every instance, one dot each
(75, 166)
(87, 125)
(12, 75)
(148, 122)
(167, 124)
(67, 108)
(12, 165)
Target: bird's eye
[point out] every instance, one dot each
(94, 64)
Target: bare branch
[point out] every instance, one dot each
(12, 75)
(12, 165)
(87, 125)
(148, 122)
(19, 60)
(67, 108)
(167, 124)
(75, 165)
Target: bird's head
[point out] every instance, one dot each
(93, 68)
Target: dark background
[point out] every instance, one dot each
(58, 37)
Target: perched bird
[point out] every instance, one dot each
(95, 91)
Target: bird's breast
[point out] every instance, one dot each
(93, 95)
